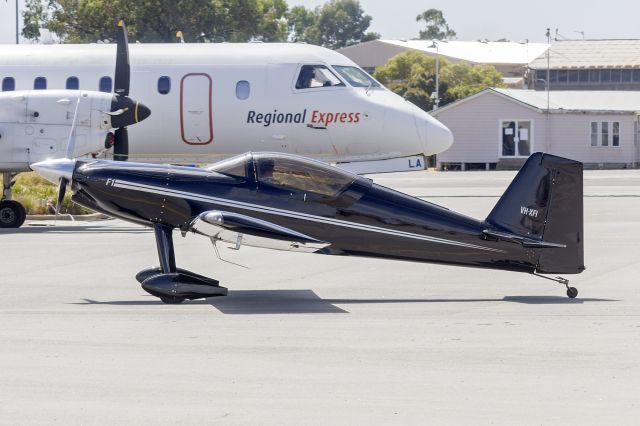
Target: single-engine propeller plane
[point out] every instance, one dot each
(289, 202)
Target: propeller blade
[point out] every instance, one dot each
(61, 191)
(121, 144)
(71, 143)
(123, 69)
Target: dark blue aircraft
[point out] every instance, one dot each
(294, 203)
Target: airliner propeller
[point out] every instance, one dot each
(124, 110)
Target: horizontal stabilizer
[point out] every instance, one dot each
(526, 242)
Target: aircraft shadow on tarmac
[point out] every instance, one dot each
(76, 229)
(263, 302)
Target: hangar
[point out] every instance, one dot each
(509, 58)
(499, 128)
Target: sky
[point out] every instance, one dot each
(473, 19)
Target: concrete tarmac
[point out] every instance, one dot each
(309, 339)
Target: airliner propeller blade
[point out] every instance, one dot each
(123, 69)
(121, 144)
(124, 110)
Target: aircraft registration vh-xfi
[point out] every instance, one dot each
(287, 202)
(210, 101)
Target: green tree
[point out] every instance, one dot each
(436, 27)
(81, 21)
(412, 75)
(336, 24)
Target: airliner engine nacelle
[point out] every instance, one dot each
(35, 125)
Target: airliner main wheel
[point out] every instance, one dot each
(572, 292)
(12, 214)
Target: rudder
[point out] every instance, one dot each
(544, 205)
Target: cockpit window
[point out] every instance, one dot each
(234, 166)
(355, 76)
(316, 76)
(301, 174)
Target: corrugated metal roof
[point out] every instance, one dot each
(577, 100)
(577, 54)
(493, 52)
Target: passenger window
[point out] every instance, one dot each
(40, 83)
(164, 85)
(8, 84)
(105, 84)
(243, 90)
(314, 76)
(302, 174)
(73, 83)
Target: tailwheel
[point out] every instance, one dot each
(172, 300)
(572, 292)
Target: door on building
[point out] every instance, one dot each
(516, 138)
(196, 124)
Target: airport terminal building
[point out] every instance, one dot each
(500, 128)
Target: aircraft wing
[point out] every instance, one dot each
(241, 230)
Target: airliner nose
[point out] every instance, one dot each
(53, 170)
(439, 137)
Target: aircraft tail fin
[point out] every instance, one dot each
(543, 209)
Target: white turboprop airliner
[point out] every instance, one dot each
(210, 101)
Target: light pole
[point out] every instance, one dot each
(17, 39)
(436, 95)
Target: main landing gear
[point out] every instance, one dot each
(171, 284)
(572, 292)
(12, 213)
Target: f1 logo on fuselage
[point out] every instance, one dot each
(110, 182)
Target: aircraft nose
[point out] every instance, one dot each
(438, 137)
(53, 170)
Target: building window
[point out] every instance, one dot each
(40, 83)
(105, 84)
(615, 76)
(164, 85)
(553, 76)
(73, 83)
(573, 76)
(605, 133)
(636, 76)
(583, 76)
(594, 76)
(243, 90)
(594, 133)
(562, 76)
(516, 138)
(626, 76)
(605, 76)
(8, 84)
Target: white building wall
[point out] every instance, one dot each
(571, 137)
(476, 128)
